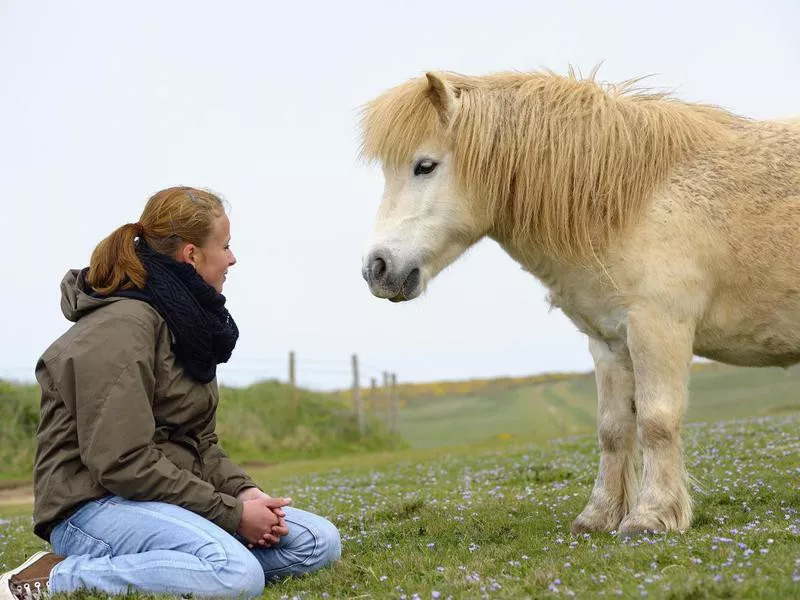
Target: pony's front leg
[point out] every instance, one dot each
(615, 487)
(661, 353)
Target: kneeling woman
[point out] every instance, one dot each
(131, 488)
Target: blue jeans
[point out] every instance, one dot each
(113, 544)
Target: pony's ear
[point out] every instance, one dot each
(443, 96)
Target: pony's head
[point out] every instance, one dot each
(555, 164)
(424, 222)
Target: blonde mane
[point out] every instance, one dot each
(560, 162)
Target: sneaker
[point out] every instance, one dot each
(29, 580)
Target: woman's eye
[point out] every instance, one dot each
(425, 166)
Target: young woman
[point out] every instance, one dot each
(131, 488)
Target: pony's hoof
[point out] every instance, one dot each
(593, 519)
(641, 522)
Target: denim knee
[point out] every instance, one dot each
(317, 545)
(237, 570)
(329, 543)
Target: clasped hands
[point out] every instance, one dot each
(262, 523)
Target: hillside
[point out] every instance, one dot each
(543, 409)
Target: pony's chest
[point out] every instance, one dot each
(593, 313)
(583, 295)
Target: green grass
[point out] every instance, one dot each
(480, 500)
(256, 425)
(494, 522)
(19, 417)
(542, 411)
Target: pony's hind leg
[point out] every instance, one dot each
(615, 488)
(661, 352)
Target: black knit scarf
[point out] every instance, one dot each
(205, 332)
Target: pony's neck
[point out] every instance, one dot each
(532, 259)
(566, 166)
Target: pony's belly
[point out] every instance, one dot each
(748, 356)
(754, 338)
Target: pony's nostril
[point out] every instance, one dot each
(378, 268)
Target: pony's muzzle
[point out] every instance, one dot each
(389, 278)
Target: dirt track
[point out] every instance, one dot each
(16, 496)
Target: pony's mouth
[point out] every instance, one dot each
(411, 287)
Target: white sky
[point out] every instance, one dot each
(103, 104)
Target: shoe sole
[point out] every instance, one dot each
(5, 588)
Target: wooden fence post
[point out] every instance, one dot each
(387, 399)
(292, 386)
(373, 389)
(357, 397)
(394, 403)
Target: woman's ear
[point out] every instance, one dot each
(187, 254)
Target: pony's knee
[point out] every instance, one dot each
(615, 435)
(658, 428)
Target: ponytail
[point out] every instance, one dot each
(172, 217)
(114, 264)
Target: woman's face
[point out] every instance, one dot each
(213, 259)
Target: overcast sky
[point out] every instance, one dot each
(104, 104)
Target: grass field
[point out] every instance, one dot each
(494, 522)
(479, 502)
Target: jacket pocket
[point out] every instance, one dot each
(76, 542)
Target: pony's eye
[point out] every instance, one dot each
(425, 166)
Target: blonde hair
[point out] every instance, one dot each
(561, 162)
(170, 218)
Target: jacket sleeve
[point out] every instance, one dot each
(108, 383)
(219, 470)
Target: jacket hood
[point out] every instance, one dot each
(77, 298)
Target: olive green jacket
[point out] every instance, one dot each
(120, 416)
